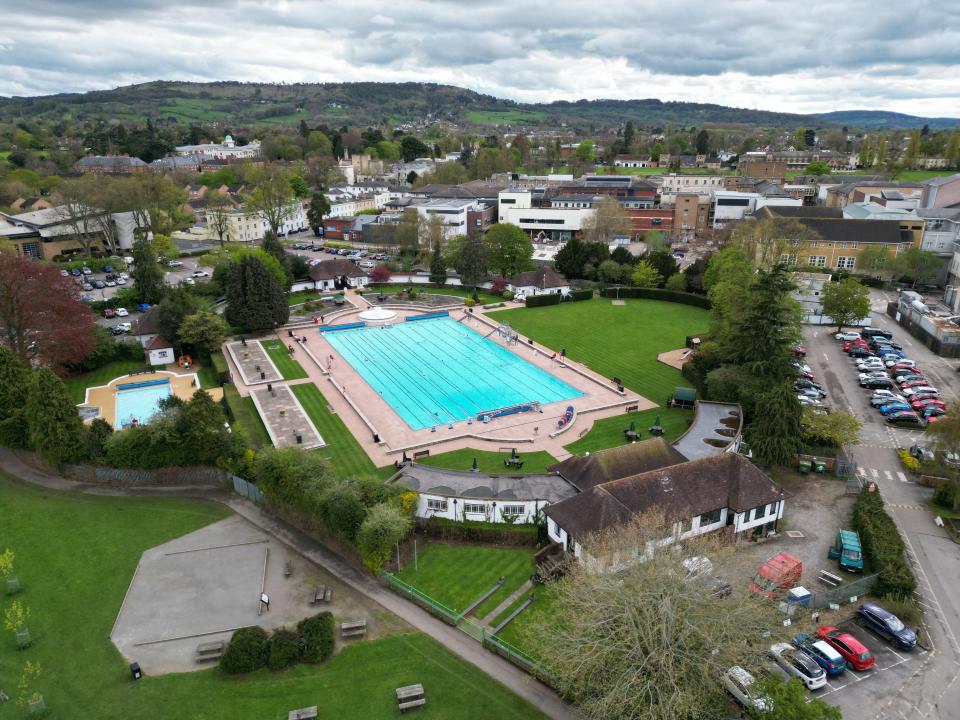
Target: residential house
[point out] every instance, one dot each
(673, 184)
(634, 161)
(110, 165)
(542, 281)
(338, 274)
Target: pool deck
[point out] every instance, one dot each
(367, 414)
(183, 384)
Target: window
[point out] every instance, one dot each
(817, 260)
(788, 259)
(844, 261)
(711, 517)
(436, 505)
(853, 246)
(474, 508)
(513, 510)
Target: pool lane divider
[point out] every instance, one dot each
(428, 316)
(347, 326)
(145, 383)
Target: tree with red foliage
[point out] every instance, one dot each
(380, 274)
(41, 317)
(499, 285)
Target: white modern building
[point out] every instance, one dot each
(227, 150)
(541, 223)
(248, 225)
(452, 211)
(732, 205)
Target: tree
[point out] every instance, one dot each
(837, 429)
(272, 196)
(472, 260)
(380, 274)
(299, 186)
(769, 241)
(918, 265)
(42, 320)
(636, 637)
(342, 510)
(201, 434)
(790, 700)
(255, 298)
(383, 528)
(703, 142)
(147, 276)
(845, 301)
(628, 136)
(607, 221)
(203, 330)
(319, 207)
(74, 209)
(677, 282)
(876, 260)
(913, 150)
(585, 152)
(14, 387)
(809, 137)
(438, 269)
(610, 272)
(55, 428)
(218, 207)
(178, 303)
(408, 232)
(509, 249)
(645, 275)
(411, 148)
(775, 428)
(412, 177)
(521, 143)
(817, 168)
(318, 142)
(663, 262)
(163, 246)
(945, 437)
(273, 247)
(656, 151)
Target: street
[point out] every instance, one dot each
(931, 688)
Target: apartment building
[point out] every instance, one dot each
(673, 184)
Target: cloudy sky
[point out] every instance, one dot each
(769, 54)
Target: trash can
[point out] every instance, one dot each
(135, 672)
(819, 466)
(799, 596)
(804, 466)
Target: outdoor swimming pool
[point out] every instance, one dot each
(139, 404)
(432, 372)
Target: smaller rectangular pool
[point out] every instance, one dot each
(139, 405)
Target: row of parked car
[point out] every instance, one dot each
(901, 393)
(829, 652)
(809, 392)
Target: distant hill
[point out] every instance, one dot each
(234, 103)
(881, 119)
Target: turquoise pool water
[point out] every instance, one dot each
(139, 404)
(432, 372)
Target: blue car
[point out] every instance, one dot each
(827, 658)
(887, 625)
(894, 407)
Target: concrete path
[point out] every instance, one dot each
(533, 691)
(514, 596)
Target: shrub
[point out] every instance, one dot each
(480, 532)
(908, 460)
(541, 300)
(317, 637)
(883, 547)
(507, 295)
(576, 295)
(246, 652)
(658, 294)
(469, 302)
(944, 494)
(284, 649)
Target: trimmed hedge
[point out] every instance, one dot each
(317, 637)
(883, 547)
(284, 649)
(247, 651)
(541, 300)
(480, 532)
(576, 295)
(700, 301)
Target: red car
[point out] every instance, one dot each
(851, 344)
(927, 402)
(108, 313)
(851, 649)
(913, 368)
(799, 351)
(913, 383)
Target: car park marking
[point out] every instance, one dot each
(888, 474)
(874, 472)
(903, 478)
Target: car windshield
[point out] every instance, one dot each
(851, 554)
(864, 656)
(895, 624)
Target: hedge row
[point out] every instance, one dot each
(581, 295)
(480, 532)
(541, 300)
(883, 547)
(700, 301)
(251, 648)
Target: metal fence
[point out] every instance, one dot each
(247, 489)
(844, 593)
(845, 466)
(432, 606)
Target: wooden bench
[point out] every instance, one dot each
(309, 713)
(410, 696)
(210, 651)
(828, 578)
(353, 628)
(288, 569)
(321, 594)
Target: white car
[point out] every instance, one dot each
(121, 312)
(871, 363)
(910, 392)
(796, 663)
(121, 281)
(200, 274)
(367, 264)
(174, 264)
(903, 362)
(871, 374)
(124, 326)
(844, 336)
(188, 281)
(742, 686)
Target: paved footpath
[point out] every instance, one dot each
(530, 689)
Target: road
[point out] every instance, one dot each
(931, 689)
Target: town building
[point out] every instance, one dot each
(673, 184)
(799, 159)
(110, 165)
(51, 234)
(941, 192)
(227, 150)
(338, 274)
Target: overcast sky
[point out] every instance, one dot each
(768, 54)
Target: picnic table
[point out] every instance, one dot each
(353, 628)
(321, 594)
(631, 434)
(210, 651)
(513, 462)
(308, 713)
(410, 696)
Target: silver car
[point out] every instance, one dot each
(796, 663)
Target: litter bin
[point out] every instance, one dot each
(819, 466)
(135, 671)
(804, 466)
(799, 596)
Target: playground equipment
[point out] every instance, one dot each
(566, 418)
(184, 361)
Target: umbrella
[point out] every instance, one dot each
(633, 426)
(474, 467)
(513, 453)
(656, 423)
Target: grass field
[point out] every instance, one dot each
(78, 384)
(517, 632)
(208, 376)
(302, 296)
(608, 432)
(205, 109)
(342, 447)
(502, 117)
(245, 416)
(289, 368)
(457, 575)
(488, 461)
(615, 341)
(83, 677)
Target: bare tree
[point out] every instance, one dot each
(608, 219)
(218, 208)
(75, 211)
(769, 241)
(272, 196)
(633, 633)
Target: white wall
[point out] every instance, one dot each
(571, 219)
(453, 511)
(757, 516)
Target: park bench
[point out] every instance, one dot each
(321, 594)
(210, 651)
(288, 569)
(513, 463)
(353, 628)
(828, 578)
(410, 696)
(308, 713)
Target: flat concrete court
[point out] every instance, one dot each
(202, 586)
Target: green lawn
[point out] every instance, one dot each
(289, 368)
(608, 432)
(302, 296)
(342, 447)
(457, 575)
(615, 341)
(74, 598)
(484, 297)
(78, 384)
(502, 117)
(517, 632)
(245, 416)
(208, 376)
(489, 461)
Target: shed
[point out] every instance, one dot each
(683, 397)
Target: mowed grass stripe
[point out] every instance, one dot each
(489, 461)
(615, 341)
(289, 368)
(608, 432)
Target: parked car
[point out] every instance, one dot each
(860, 352)
(919, 381)
(108, 268)
(904, 418)
(121, 281)
(848, 336)
(918, 387)
(109, 314)
(367, 264)
(804, 383)
(875, 331)
(797, 663)
(125, 326)
(877, 374)
(86, 271)
(99, 284)
(923, 403)
(846, 551)
(921, 453)
(111, 283)
(75, 272)
(174, 264)
(894, 407)
(121, 312)
(143, 307)
(851, 344)
(877, 382)
(886, 624)
(824, 654)
(200, 274)
(811, 393)
(852, 650)
(87, 287)
(930, 414)
(901, 362)
(743, 687)
(891, 355)
(881, 400)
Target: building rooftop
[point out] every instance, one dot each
(543, 277)
(617, 462)
(804, 211)
(335, 268)
(466, 484)
(715, 426)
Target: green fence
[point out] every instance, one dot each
(423, 600)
